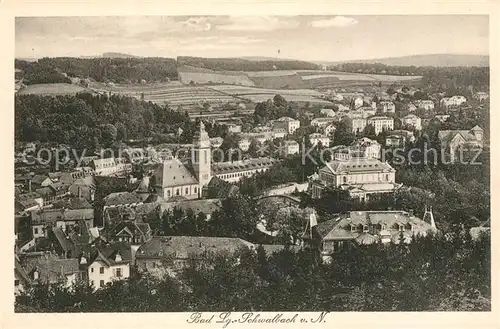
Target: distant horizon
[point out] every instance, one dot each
(307, 38)
(249, 57)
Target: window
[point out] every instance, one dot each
(101, 283)
(195, 190)
(91, 270)
(353, 228)
(187, 190)
(101, 270)
(118, 272)
(36, 230)
(386, 177)
(401, 228)
(177, 192)
(168, 192)
(16, 283)
(345, 179)
(365, 228)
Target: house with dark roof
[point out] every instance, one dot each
(164, 253)
(47, 268)
(62, 217)
(39, 181)
(28, 202)
(140, 213)
(124, 199)
(455, 141)
(369, 227)
(83, 187)
(107, 263)
(129, 231)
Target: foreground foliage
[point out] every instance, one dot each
(433, 273)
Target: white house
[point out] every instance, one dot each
(381, 123)
(329, 130)
(386, 107)
(453, 101)
(425, 104)
(291, 147)
(244, 144)
(108, 264)
(412, 120)
(288, 123)
(316, 138)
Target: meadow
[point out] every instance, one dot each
(52, 89)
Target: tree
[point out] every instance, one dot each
(109, 134)
(343, 134)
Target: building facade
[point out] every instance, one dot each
(381, 123)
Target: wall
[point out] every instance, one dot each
(109, 273)
(287, 189)
(192, 192)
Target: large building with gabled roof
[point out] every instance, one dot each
(361, 176)
(174, 178)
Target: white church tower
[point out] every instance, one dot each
(201, 157)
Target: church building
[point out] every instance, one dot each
(174, 178)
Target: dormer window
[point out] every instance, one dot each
(36, 275)
(118, 258)
(384, 227)
(353, 228)
(401, 228)
(365, 228)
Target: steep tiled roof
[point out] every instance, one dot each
(184, 246)
(391, 219)
(174, 173)
(73, 203)
(124, 198)
(50, 268)
(39, 179)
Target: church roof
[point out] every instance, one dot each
(174, 173)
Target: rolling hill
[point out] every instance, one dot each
(437, 60)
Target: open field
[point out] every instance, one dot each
(52, 89)
(189, 96)
(262, 94)
(206, 76)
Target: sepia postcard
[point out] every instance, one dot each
(235, 165)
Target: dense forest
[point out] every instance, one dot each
(431, 274)
(137, 70)
(91, 122)
(119, 70)
(238, 64)
(463, 80)
(34, 73)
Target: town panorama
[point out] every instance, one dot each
(187, 164)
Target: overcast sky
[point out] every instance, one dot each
(325, 38)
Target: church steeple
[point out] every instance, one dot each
(201, 156)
